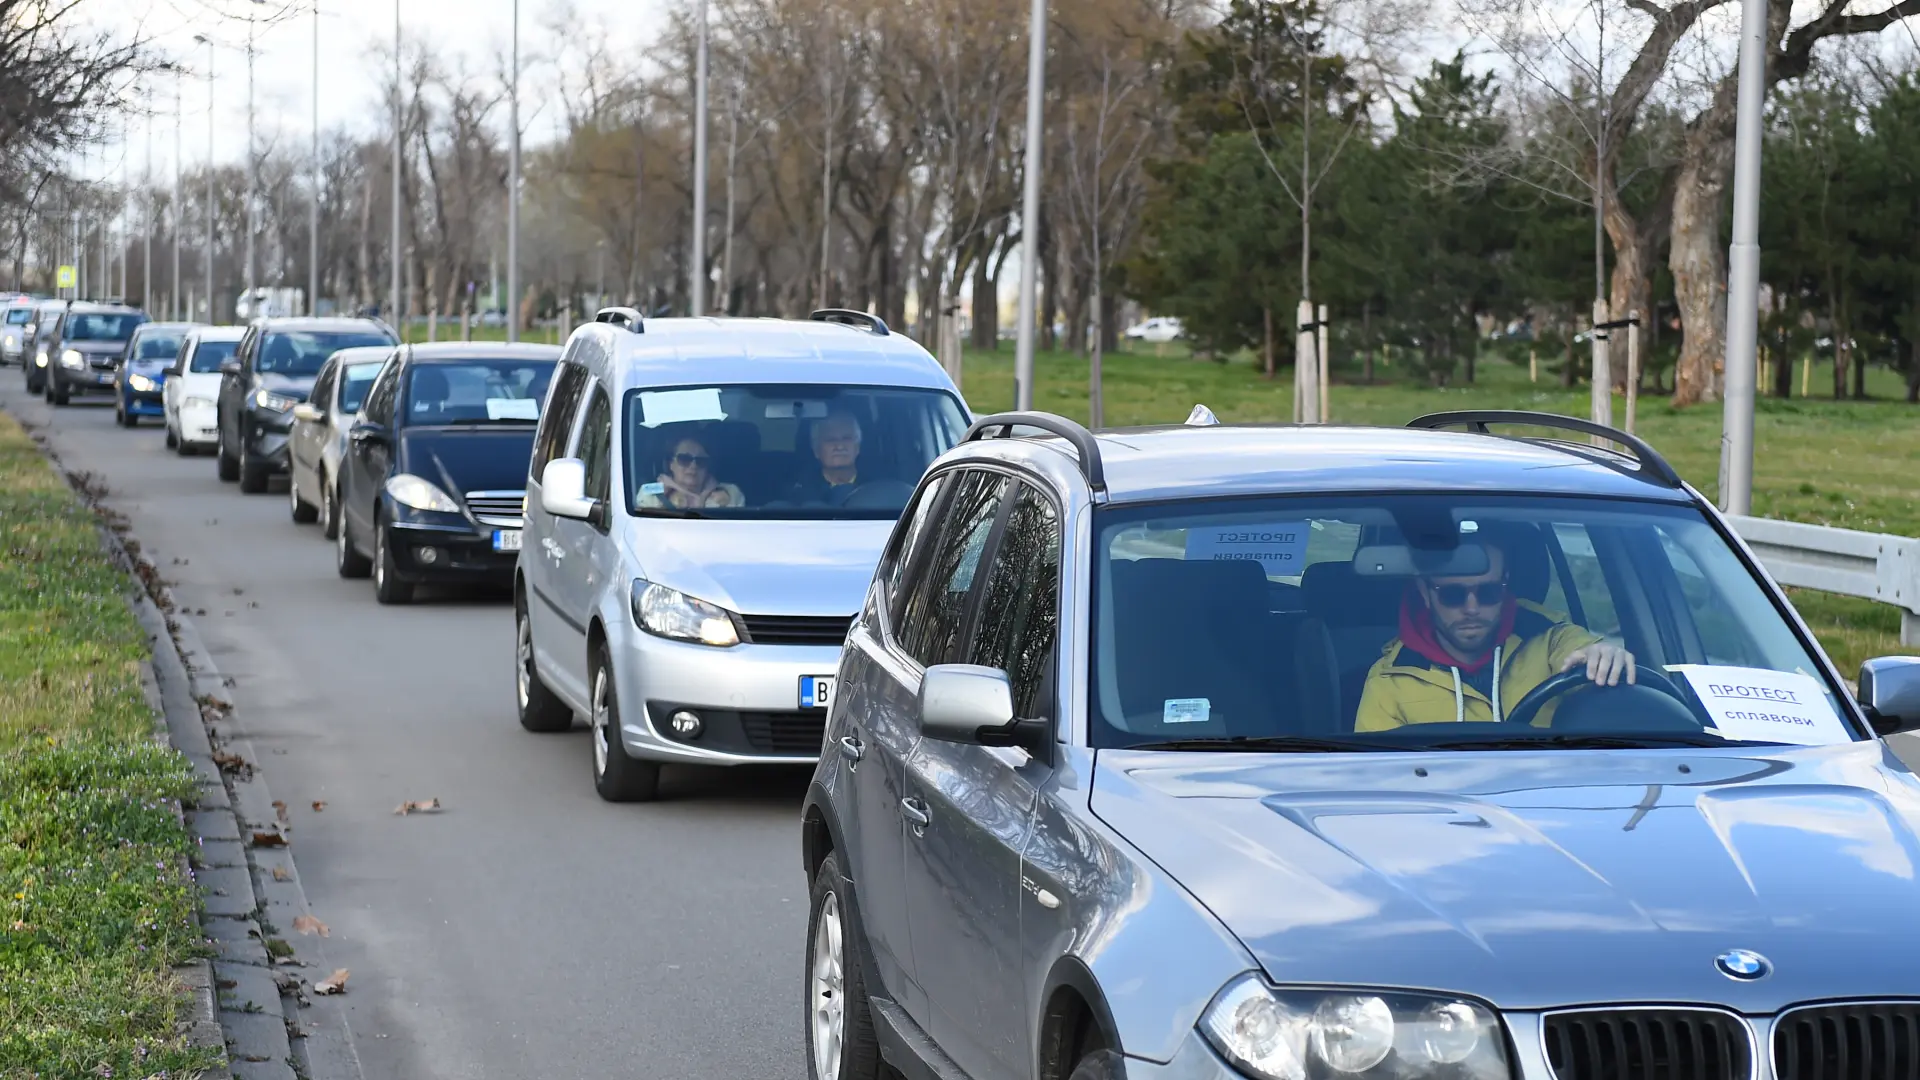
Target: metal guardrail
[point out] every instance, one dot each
(1874, 566)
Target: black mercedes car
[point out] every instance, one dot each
(434, 482)
(271, 372)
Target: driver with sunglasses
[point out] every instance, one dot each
(1470, 650)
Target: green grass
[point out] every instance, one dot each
(95, 909)
(1855, 465)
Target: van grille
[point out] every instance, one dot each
(784, 733)
(1648, 1044)
(1849, 1042)
(795, 629)
(505, 509)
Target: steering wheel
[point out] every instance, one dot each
(1527, 708)
(876, 494)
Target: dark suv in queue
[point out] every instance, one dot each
(84, 348)
(432, 487)
(271, 372)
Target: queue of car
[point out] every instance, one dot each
(1195, 752)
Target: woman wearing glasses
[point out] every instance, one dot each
(1470, 650)
(688, 482)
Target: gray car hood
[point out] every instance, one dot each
(1539, 879)
(763, 567)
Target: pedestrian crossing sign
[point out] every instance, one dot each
(66, 277)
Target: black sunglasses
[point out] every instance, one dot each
(1453, 596)
(690, 460)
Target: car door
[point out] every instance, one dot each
(587, 552)
(307, 437)
(231, 401)
(932, 617)
(976, 804)
(369, 454)
(558, 639)
(869, 746)
(170, 390)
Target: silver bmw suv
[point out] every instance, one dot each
(1213, 753)
(706, 502)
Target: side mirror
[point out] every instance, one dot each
(229, 367)
(563, 490)
(309, 412)
(966, 703)
(1890, 693)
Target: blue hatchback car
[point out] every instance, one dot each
(142, 371)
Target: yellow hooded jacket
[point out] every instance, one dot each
(1404, 687)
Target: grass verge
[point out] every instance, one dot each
(96, 910)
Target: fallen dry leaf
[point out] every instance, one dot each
(230, 762)
(280, 874)
(280, 811)
(307, 924)
(269, 839)
(332, 984)
(427, 806)
(319, 805)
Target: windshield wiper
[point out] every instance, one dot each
(1285, 744)
(667, 512)
(1645, 741)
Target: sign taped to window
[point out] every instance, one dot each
(512, 409)
(1279, 547)
(1762, 705)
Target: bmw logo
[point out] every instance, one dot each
(1743, 964)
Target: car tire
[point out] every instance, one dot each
(617, 777)
(329, 511)
(540, 710)
(836, 995)
(57, 394)
(387, 586)
(300, 510)
(1099, 1065)
(347, 562)
(228, 467)
(173, 441)
(119, 413)
(253, 478)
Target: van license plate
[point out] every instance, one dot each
(506, 539)
(816, 691)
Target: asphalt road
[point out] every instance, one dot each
(528, 930)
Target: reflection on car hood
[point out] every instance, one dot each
(293, 386)
(152, 369)
(1545, 879)
(764, 567)
(476, 458)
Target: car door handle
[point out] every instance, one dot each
(916, 812)
(851, 748)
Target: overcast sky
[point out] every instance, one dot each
(351, 33)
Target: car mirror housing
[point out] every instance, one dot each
(309, 412)
(229, 367)
(1890, 693)
(966, 703)
(563, 490)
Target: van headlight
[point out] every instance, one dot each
(420, 494)
(1314, 1034)
(669, 613)
(72, 360)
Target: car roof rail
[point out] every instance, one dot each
(849, 317)
(1476, 421)
(1083, 441)
(626, 317)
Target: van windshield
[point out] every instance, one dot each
(94, 327)
(783, 451)
(19, 316)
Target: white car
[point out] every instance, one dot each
(1157, 329)
(192, 391)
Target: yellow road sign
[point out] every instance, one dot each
(66, 278)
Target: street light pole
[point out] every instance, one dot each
(698, 297)
(252, 166)
(1030, 211)
(393, 253)
(173, 287)
(146, 219)
(1743, 266)
(513, 188)
(313, 201)
(211, 315)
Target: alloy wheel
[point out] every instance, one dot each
(827, 1003)
(523, 649)
(602, 725)
(379, 556)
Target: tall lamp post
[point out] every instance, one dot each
(393, 253)
(1030, 210)
(179, 218)
(698, 291)
(253, 165)
(313, 202)
(513, 188)
(1743, 266)
(211, 314)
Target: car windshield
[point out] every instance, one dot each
(301, 352)
(1418, 621)
(98, 327)
(354, 382)
(209, 355)
(778, 451)
(19, 316)
(477, 391)
(157, 347)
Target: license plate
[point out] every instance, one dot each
(506, 539)
(816, 691)
(105, 378)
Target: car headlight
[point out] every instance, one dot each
(670, 613)
(1301, 1034)
(267, 399)
(409, 490)
(141, 384)
(72, 360)
(197, 403)
(39, 359)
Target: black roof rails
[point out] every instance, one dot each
(622, 316)
(850, 317)
(1476, 421)
(1082, 439)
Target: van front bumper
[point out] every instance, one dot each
(747, 698)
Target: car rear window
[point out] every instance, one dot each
(209, 355)
(19, 316)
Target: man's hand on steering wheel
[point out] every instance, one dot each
(1606, 663)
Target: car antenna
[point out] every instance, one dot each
(1201, 416)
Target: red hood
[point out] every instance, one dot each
(1417, 633)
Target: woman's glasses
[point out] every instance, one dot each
(688, 461)
(1453, 596)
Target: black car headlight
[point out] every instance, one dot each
(72, 360)
(1336, 1034)
(271, 402)
(669, 613)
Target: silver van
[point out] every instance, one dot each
(706, 501)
